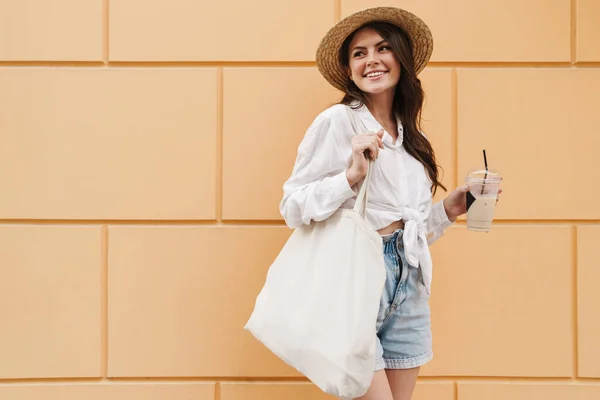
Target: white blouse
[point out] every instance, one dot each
(399, 188)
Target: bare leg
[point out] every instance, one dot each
(380, 388)
(402, 382)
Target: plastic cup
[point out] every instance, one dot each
(481, 199)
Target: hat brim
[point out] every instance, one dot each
(328, 51)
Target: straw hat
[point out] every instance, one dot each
(328, 51)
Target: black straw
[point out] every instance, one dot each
(486, 171)
(485, 160)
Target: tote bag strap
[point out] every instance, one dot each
(361, 199)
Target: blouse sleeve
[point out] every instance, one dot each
(437, 222)
(318, 185)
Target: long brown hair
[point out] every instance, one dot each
(408, 98)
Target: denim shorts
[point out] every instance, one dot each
(403, 323)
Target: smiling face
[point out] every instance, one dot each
(373, 65)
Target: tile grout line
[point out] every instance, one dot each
(219, 150)
(455, 390)
(160, 64)
(282, 64)
(288, 380)
(104, 303)
(575, 299)
(261, 222)
(573, 32)
(166, 222)
(536, 222)
(105, 31)
(218, 390)
(454, 123)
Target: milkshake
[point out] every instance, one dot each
(481, 199)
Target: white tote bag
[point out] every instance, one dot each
(318, 308)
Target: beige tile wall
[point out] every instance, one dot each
(143, 145)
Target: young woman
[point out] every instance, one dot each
(374, 57)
